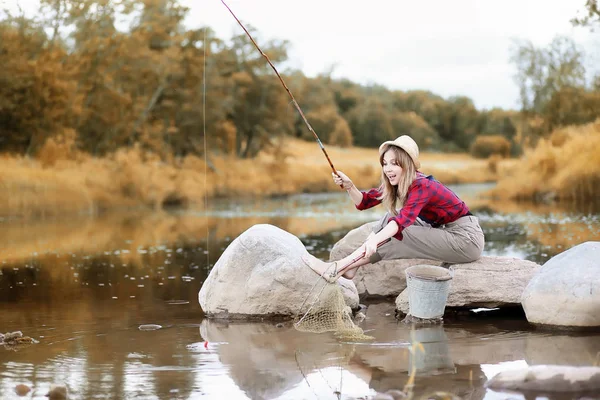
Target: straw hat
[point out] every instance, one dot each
(407, 144)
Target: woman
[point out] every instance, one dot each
(424, 218)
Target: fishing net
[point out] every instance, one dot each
(326, 311)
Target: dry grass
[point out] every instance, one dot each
(565, 167)
(62, 182)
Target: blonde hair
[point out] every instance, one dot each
(393, 197)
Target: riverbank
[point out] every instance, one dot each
(132, 179)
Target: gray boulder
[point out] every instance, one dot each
(488, 282)
(261, 274)
(566, 290)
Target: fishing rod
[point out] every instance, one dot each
(287, 90)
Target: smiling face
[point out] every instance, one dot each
(391, 166)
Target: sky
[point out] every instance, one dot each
(449, 47)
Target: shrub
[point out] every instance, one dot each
(486, 146)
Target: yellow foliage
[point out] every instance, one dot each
(134, 178)
(564, 166)
(486, 146)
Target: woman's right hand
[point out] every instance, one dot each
(342, 180)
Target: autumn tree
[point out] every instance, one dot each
(590, 16)
(371, 123)
(572, 106)
(259, 105)
(412, 124)
(37, 98)
(316, 97)
(542, 72)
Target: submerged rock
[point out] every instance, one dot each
(149, 327)
(566, 290)
(57, 392)
(12, 340)
(261, 275)
(22, 390)
(548, 379)
(12, 336)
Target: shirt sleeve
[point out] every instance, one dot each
(418, 195)
(370, 199)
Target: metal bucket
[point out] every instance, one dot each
(428, 288)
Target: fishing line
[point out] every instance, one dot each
(205, 146)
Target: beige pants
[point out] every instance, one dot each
(460, 241)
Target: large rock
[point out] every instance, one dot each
(261, 274)
(488, 282)
(566, 290)
(382, 279)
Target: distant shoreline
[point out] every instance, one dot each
(133, 180)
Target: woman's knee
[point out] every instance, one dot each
(473, 252)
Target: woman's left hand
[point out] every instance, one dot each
(370, 247)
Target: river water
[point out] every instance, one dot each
(83, 286)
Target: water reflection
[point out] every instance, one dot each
(83, 286)
(269, 361)
(429, 352)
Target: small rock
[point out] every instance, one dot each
(12, 340)
(57, 392)
(149, 327)
(442, 396)
(410, 319)
(279, 325)
(396, 394)
(22, 390)
(359, 317)
(11, 336)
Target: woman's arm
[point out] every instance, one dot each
(373, 240)
(355, 194)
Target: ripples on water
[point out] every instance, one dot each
(82, 287)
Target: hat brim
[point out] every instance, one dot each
(394, 143)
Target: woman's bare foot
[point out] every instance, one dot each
(322, 268)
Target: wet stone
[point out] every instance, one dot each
(57, 392)
(359, 317)
(12, 340)
(149, 327)
(411, 319)
(9, 337)
(22, 390)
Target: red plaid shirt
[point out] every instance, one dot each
(427, 199)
